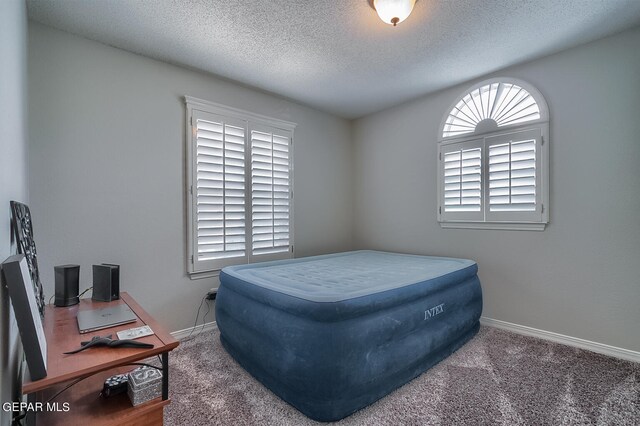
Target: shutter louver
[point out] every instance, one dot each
(512, 176)
(270, 192)
(220, 190)
(463, 180)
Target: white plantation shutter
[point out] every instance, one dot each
(493, 150)
(461, 175)
(504, 103)
(219, 190)
(239, 183)
(513, 176)
(270, 192)
(463, 183)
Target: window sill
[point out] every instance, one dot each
(504, 226)
(203, 274)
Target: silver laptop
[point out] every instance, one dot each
(97, 319)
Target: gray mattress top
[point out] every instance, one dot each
(343, 276)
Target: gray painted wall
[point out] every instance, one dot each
(13, 175)
(579, 277)
(107, 167)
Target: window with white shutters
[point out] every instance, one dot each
(513, 176)
(500, 102)
(462, 180)
(494, 159)
(239, 185)
(270, 191)
(219, 187)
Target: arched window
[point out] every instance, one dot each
(494, 158)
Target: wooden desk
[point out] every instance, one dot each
(94, 366)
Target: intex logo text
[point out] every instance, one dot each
(432, 312)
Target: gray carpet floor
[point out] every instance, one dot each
(498, 378)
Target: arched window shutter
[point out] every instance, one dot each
(494, 158)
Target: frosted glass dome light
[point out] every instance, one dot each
(393, 11)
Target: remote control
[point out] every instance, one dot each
(115, 385)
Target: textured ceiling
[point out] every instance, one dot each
(336, 55)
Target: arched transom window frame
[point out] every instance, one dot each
(476, 145)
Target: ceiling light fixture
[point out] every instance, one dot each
(393, 12)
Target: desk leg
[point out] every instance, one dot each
(30, 419)
(165, 375)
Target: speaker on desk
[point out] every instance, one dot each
(67, 279)
(106, 282)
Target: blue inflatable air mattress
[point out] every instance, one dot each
(332, 334)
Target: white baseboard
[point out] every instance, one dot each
(600, 348)
(181, 334)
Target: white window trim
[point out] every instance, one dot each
(541, 124)
(195, 104)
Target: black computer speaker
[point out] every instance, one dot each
(67, 279)
(106, 282)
